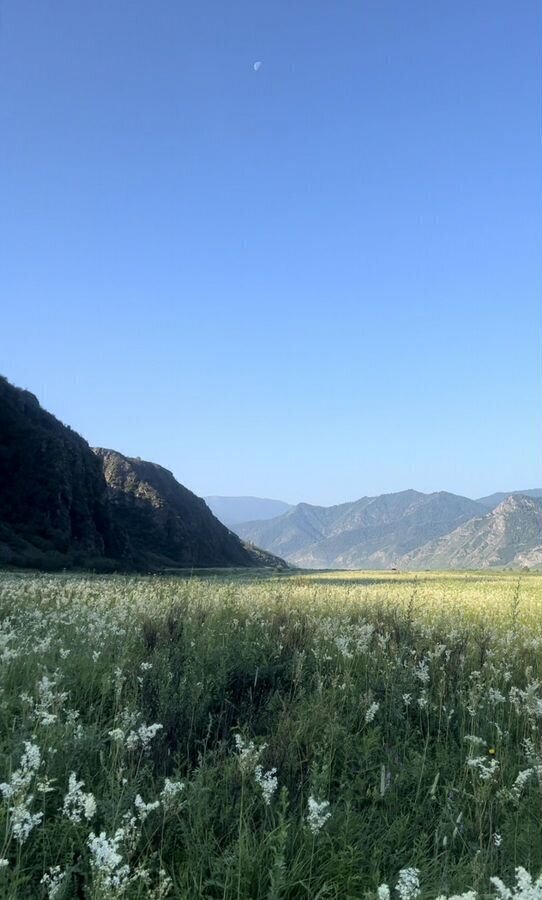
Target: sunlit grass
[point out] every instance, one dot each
(297, 735)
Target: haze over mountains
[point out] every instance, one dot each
(409, 530)
(63, 504)
(233, 510)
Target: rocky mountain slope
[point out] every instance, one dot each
(374, 532)
(233, 510)
(54, 508)
(62, 505)
(168, 525)
(494, 500)
(509, 535)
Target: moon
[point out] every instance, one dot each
(257, 65)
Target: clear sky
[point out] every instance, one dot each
(313, 281)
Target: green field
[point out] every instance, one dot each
(270, 736)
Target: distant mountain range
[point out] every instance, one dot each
(233, 510)
(407, 530)
(63, 504)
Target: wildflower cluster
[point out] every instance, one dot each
(17, 792)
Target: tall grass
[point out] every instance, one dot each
(287, 737)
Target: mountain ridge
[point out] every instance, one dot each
(493, 500)
(385, 531)
(60, 508)
(170, 526)
(508, 535)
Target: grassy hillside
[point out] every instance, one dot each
(260, 738)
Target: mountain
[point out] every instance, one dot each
(63, 505)
(168, 525)
(54, 509)
(233, 510)
(372, 533)
(494, 500)
(509, 535)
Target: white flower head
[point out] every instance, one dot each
(318, 814)
(78, 805)
(371, 712)
(53, 880)
(249, 753)
(268, 783)
(143, 809)
(142, 737)
(170, 793)
(408, 884)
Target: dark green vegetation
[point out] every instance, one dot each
(63, 505)
(53, 496)
(408, 530)
(413, 707)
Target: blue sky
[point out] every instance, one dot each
(315, 281)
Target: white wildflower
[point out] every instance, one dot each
(318, 814)
(408, 884)
(519, 784)
(143, 809)
(77, 803)
(267, 781)
(495, 696)
(371, 712)
(106, 861)
(31, 758)
(248, 753)
(170, 793)
(53, 880)
(524, 889)
(23, 821)
(142, 736)
(486, 768)
(45, 786)
(422, 674)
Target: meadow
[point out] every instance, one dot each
(256, 737)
